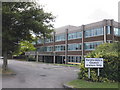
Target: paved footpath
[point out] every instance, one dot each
(37, 75)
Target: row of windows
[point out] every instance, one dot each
(76, 35)
(88, 33)
(48, 40)
(45, 49)
(92, 45)
(60, 48)
(60, 37)
(71, 47)
(74, 47)
(48, 49)
(94, 32)
(74, 59)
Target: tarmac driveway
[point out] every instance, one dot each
(37, 75)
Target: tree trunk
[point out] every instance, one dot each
(5, 66)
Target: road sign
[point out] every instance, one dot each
(94, 62)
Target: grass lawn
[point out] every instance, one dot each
(68, 65)
(85, 84)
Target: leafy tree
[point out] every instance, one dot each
(24, 46)
(19, 21)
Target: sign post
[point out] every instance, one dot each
(89, 73)
(93, 63)
(98, 74)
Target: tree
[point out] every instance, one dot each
(19, 21)
(24, 46)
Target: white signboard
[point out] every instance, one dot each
(94, 62)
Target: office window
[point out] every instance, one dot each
(79, 34)
(94, 32)
(49, 40)
(76, 59)
(60, 48)
(116, 31)
(108, 29)
(92, 45)
(49, 48)
(68, 58)
(60, 37)
(45, 49)
(75, 35)
(74, 47)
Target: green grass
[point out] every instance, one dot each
(86, 84)
(68, 65)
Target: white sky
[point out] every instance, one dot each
(78, 12)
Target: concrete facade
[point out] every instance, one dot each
(86, 35)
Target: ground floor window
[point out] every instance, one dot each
(74, 59)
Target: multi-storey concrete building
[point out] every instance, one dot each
(71, 43)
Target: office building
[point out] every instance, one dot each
(72, 43)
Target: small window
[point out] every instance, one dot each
(108, 29)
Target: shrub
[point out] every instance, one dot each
(109, 52)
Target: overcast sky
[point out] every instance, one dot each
(78, 12)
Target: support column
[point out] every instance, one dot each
(54, 48)
(66, 46)
(112, 30)
(82, 58)
(62, 59)
(36, 56)
(105, 31)
(44, 48)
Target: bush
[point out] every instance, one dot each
(110, 72)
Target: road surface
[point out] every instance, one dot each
(37, 75)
